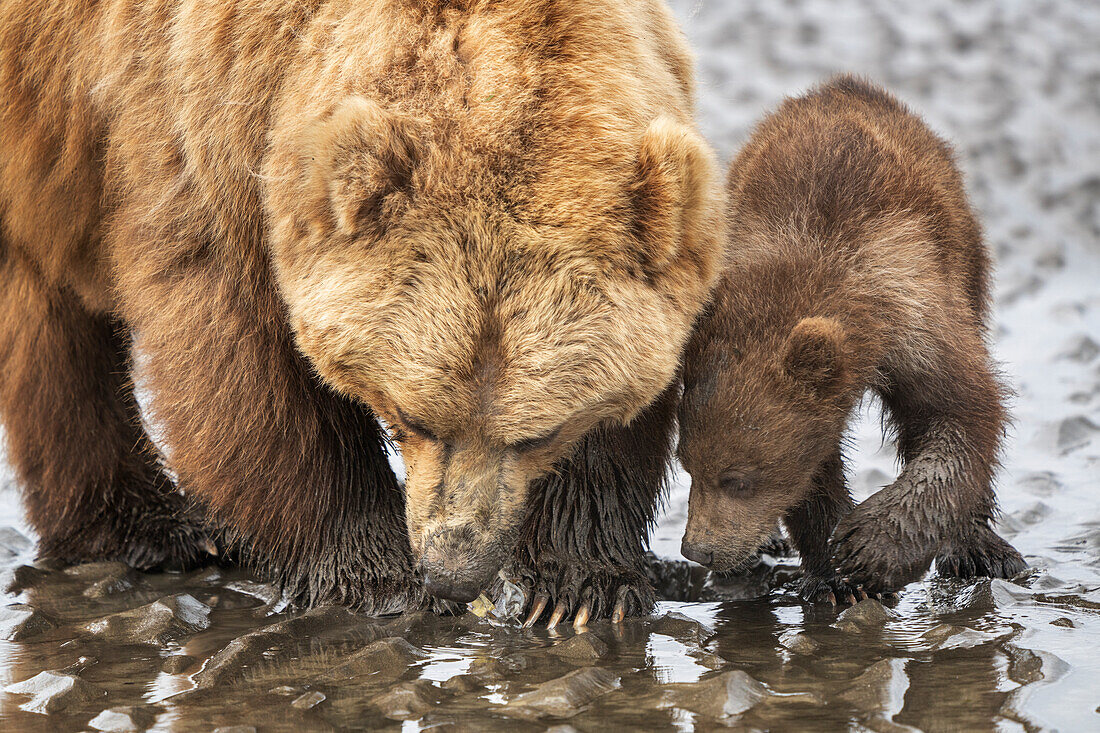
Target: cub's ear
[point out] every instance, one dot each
(364, 159)
(678, 202)
(815, 355)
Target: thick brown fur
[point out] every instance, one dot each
(489, 221)
(855, 264)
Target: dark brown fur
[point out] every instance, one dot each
(856, 264)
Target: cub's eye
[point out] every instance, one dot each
(415, 427)
(738, 483)
(531, 444)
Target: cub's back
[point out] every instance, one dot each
(836, 164)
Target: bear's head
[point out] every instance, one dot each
(760, 413)
(491, 307)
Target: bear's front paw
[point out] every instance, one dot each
(984, 554)
(871, 551)
(830, 588)
(585, 593)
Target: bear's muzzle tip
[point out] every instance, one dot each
(451, 588)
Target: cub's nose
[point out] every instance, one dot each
(696, 552)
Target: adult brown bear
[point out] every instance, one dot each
(490, 222)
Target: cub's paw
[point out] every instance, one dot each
(585, 593)
(872, 552)
(986, 554)
(831, 589)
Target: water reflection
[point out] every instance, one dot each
(198, 651)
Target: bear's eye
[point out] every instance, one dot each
(415, 427)
(531, 444)
(738, 483)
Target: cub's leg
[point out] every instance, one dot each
(811, 523)
(91, 484)
(949, 422)
(296, 473)
(582, 548)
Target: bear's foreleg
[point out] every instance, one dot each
(582, 548)
(91, 483)
(949, 423)
(295, 472)
(811, 523)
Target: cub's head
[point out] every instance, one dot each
(758, 417)
(491, 308)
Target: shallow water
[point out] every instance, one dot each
(1015, 85)
(945, 656)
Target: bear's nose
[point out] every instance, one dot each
(697, 553)
(450, 588)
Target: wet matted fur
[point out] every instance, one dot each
(855, 264)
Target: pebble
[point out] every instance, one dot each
(228, 664)
(682, 627)
(313, 621)
(721, 696)
(497, 668)
(12, 543)
(1026, 665)
(53, 691)
(1019, 520)
(93, 571)
(880, 689)
(235, 729)
(799, 643)
(124, 719)
(157, 623)
(390, 656)
(867, 614)
(1081, 349)
(947, 636)
(1075, 432)
(19, 621)
(407, 701)
(462, 683)
(309, 700)
(581, 649)
(265, 592)
(565, 696)
(81, 664)
(1041, 483)
(177, 664)
(285, 690)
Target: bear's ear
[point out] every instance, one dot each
(678, 199)
(364, 158)
(815, 355)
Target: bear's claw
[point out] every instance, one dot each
(985, 555)
(584, 596)
(537, 607)
(834, 589)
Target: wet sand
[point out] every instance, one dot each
(1017, 87)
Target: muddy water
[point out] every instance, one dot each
(208, 649)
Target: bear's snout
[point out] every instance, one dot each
(452, 568)
(697, 552)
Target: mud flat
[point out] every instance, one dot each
(98, 647)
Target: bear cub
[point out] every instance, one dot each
(855, 265)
